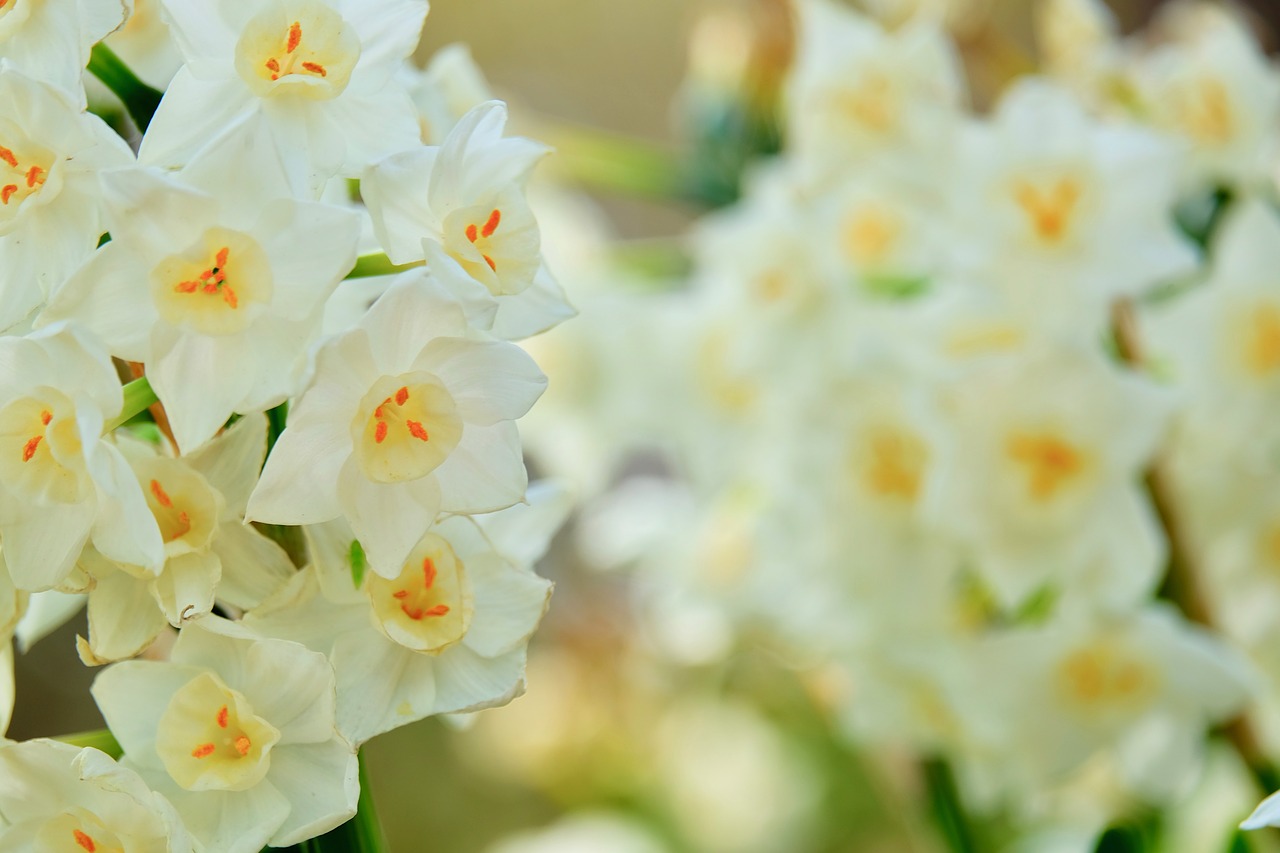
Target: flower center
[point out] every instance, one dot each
(1100, 676)
(40, 451)
(76, 831)
(1204, 110)
(209, 738)
(890, 462)
(870, 235)
(872, 104)
(24, 169)
(184, 506)
(210, 286)
(406, 427)
(1051, 464)
(428, 607)
(1050, 208)
(304, 48)
(1261, 340)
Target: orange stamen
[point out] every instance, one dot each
(380, 432)
(186, 287)
(45, 417)
(417, 430)
(295, 37)
(242, 745)
(438, 610)
(472, 233)
(34, 174)
(29, 449)
(428, 573)
(315, 68)
(400, 593)
(9, 189)
(221, 259)
(229, 296)
(162, 497)
(222, 717)
(401, 396)
(488, 260)
(184, 525)
(273, 66)
(492, 224)
(7, 156)
(81, 838)
(204, 750)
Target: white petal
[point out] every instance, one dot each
(465, 681)
(132, 696)
(375, 124)
(1266, 814)
(395, 191)
(41, 543)
(411, 313)
(229, 821)
(152, 213)
(200, 380)
(299, 484)
(46, 612)
(186, 587)
(125, 530)
(109, 295)
(381, 685)
(387, 518)
(194, 113)
(292, 687)
(232, 461)
(322, 782)
(509, 603)
(523, 533)
(123, 616)
(253, 566)
(489, 380)
(311, 247)
(485, 472)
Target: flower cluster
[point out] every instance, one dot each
(978, 408)
(224, 411)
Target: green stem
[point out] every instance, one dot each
(139, 99)
(101, 739)
(377, 264)
(138, 397)
(948, 811)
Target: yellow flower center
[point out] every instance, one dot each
(1050, 462)
(1050, 207)
(209, 738)
(1102, 676)
(428, 607)
(406, 426)
(890, 462)
(210, 286)
(76, 831)
(1260, 341)
(24, 169)
(41, 455)
(872, 104)
(870, 235)
(305, 49)
(1203, 109)
(185, 507)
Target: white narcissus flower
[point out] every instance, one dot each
(61, 483)
(54, 796)
(237, 731)
(1049, 450)
(50, 207)
(215, 279)
(446, 90)
(467, 197)
(145, 45)
(198, 501)
(447, 634)
(50, 40)
(314, 78)
(409, 414)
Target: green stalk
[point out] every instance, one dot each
(101, 739)
(616, 163)
(377, 263)
(948, 811)
(139, 99)
(138, 397)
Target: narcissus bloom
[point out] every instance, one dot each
(410, 413)
(198, 501)
(61, 483)
(54, 796)
(215, 279)
(50, 40)
(314, 79)
(447, 634)
(238, 733)
(50, 205)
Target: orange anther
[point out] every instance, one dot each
(243, 744)
(45, 417)
(222, 717)
(229, 296)
(438, 610)
(417, 613)
(220, 260)
(315, 68)
(380, 432)
(488, 260)
(7, 156)
(472, 233)
(184, 524)
(210, 286)
(204, 750)
(400, 593)
(186, 287)
(162, 497)
(295, 37)
(9, 189)
(35, 175)
(81, 838)
(273, 66)
(29, 449)
(428, 573)
(417, 430)
(401, 396)
(492, 224)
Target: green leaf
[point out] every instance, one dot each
(138, 397)
(377, 263)
(355, 556)
(100, 739)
